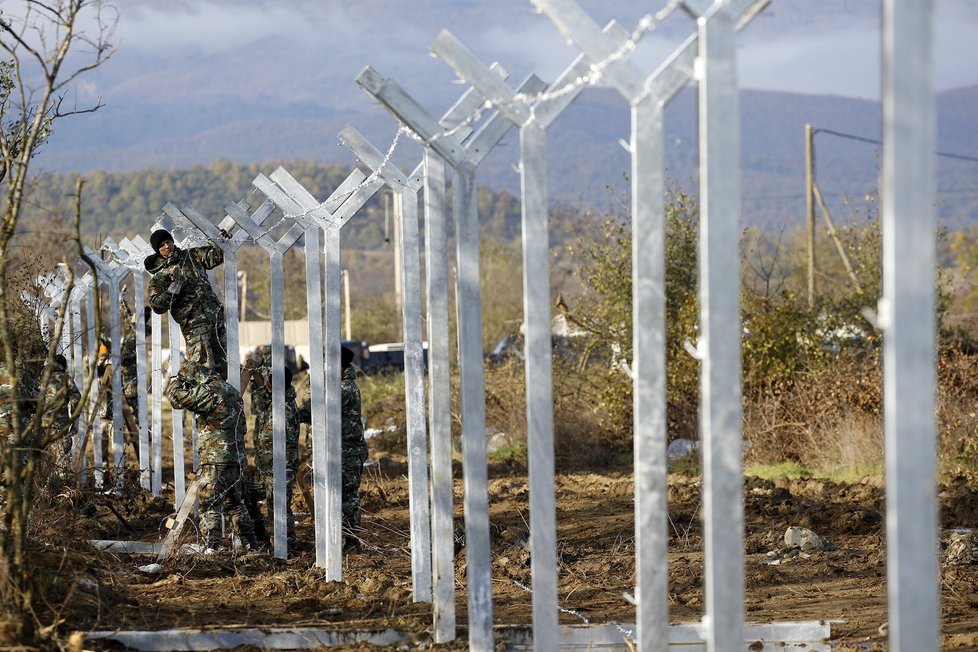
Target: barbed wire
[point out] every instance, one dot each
(627, 633)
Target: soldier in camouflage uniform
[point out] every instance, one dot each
(25, 398)
(130, 408)
(256, 376)
(130, 377)
(260, 385)
(180, 285)
(60, 395)
(219, 413)
(7, 399)
(354, 449)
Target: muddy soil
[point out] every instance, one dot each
(844, 583)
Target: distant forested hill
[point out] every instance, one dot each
(121, 204)
(588, 167)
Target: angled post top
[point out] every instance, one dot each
(261, 236)
(293, 198)
(250, 223)
(111, 272)
(373, 158)
(409, 112)
(622, 74)
(519, 110)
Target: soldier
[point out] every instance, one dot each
(103, 366)
(60, 406)
(128, 353)
(180, 285)
(260, 385)
(354, 449)
(21, 400)
(23, 396)
(219, 412)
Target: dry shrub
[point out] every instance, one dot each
(382, 404)
(506, 399)
(582, 438)
(957, 410)
(830, 413)
(831, 418)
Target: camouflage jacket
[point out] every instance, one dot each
(219, 412)
(24, 396)
(195, 307)
(263, 427)
(130, 387)
(352, 424)
(60, 393)
(259, 382)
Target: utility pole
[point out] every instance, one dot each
(810, 211)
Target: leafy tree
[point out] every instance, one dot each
(604, 311)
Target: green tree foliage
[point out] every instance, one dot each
(604, 311)
(783, 339)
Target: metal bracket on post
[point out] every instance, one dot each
(324, 354)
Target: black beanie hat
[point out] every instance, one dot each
(346, 356)
(158, 238)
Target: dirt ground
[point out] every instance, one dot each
(845, 583)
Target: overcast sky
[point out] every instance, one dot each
(794, 46)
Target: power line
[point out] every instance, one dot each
(873, 141)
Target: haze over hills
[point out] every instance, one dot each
(588, 166)
(253, 80)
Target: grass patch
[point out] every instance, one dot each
(794, 470)
(791, 469)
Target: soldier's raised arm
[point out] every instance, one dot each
(210, 256)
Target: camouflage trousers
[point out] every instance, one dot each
(210, 348)
(262, 487)
(220, 493)
(352, 462)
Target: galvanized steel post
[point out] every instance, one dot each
(907, 317)
(406, 214)
(294, 200)
(136, 250)
(723, 506)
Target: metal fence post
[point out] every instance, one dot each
(406, 214)
(132, 253)
(536, 292)
(325, 392)
(447, 140)
(907, 316)
(276, 248)
(112, 274)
